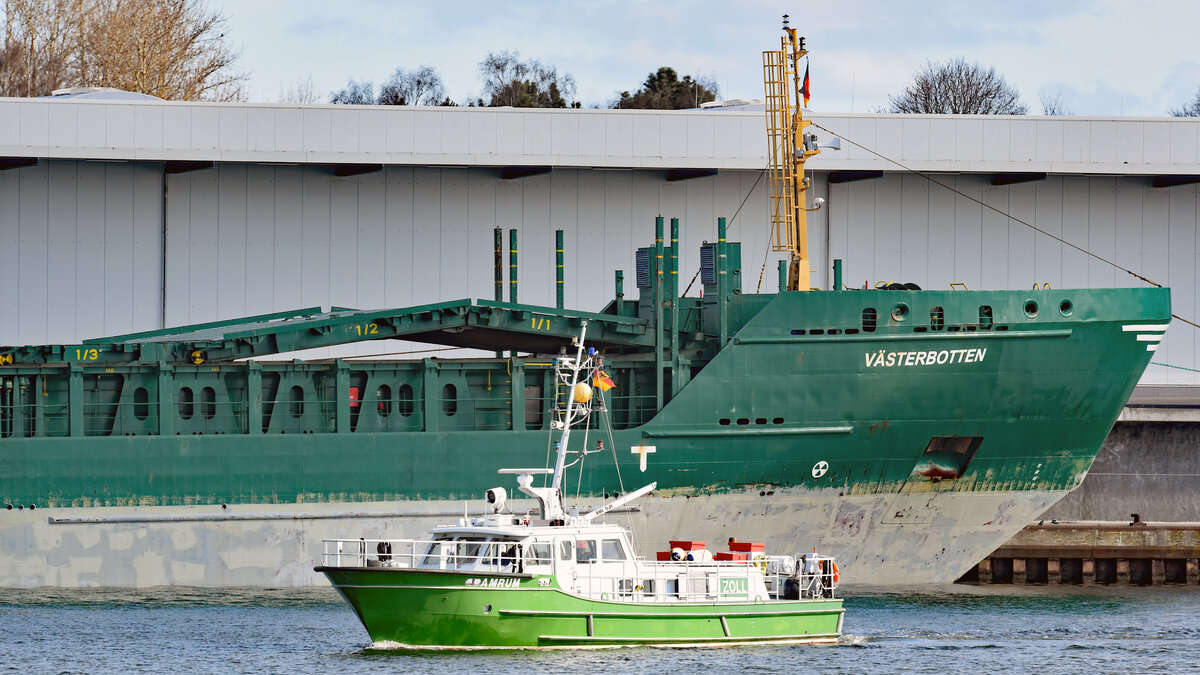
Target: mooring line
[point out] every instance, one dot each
(989, 207)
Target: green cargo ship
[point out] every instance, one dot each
(907, 432)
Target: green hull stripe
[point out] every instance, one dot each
(672, 615)
(715, 433)
(976, 335)
(466, 589)
(688, 640)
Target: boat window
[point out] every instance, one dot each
(468, 550)
(435, 551)
(566, 549)
(937, 318)
(449, 400)
(611, 549)
(537, 553)
(433, 554)
(499, 551)
(585, 550)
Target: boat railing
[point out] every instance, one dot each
(494, 556)
(615, 580)
(715, 581)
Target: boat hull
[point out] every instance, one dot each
(438, 610)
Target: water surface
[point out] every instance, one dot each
(922, 630)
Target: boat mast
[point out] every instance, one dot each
(567, 416)
(789, 148)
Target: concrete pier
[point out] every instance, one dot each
(1096, 552)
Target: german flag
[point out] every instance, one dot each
(804, 89)
(602, 380)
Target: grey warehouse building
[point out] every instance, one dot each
(123, 216)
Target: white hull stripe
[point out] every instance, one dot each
(1151, 348)
(1149, 338)
(1146, 328)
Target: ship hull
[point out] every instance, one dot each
(907, 449)
(938, 538)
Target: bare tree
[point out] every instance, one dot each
(173, 49)
(509, 81)
(41, 43)
(419, 86)
(304, 91)
(355, 93)
(1189, 110)
(1052, 104)
(958, 87)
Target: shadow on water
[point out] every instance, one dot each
(168, 596)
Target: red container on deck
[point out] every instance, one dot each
(664, 556)
(747, 547)
(688, 545)
(734, 557)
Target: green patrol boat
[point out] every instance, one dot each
(553, 578)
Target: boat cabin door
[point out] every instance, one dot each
(564, 563)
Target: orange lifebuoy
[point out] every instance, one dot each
(836, 577)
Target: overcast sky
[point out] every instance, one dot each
(1104, 57)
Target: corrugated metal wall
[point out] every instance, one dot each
(247, 239)
(902, 227)
(81, 249)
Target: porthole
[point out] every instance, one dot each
(1066, 308)
(723, 421)
(760, 420)
(1031, 308)
(900, 311)
(743, 421)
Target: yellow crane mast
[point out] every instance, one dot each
(789, 148)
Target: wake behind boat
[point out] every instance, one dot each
(555, 578)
